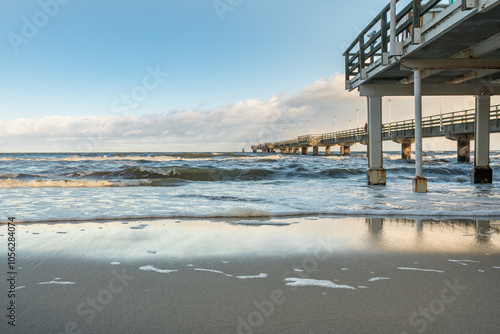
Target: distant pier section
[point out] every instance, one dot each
(458, 126)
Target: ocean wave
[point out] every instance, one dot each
(152, 158)
(13, 183)
(192, 173)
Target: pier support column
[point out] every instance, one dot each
(482, 172)
(420, 182)
(463, 150)
(254, 151)
(304, 150)
(406, 151)
(376, 174)
(328, 150)
(296, 151)
(315, 150)
(345, 151)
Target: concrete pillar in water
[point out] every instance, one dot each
(328, 150)
(304, 150)
(315, 150)
(419, 182)
(406, 151)
(463, 149)
(376, 174)
(242, 150)
(296, 151)
(345, 150)
(254, 151)
(405, 147)
(482, 172)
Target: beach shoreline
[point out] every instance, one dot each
(321, 275)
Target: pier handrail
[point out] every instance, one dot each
(356, 134)
(371, 50)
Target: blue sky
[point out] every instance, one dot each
(228, 62)
(92, 51)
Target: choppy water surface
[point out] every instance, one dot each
(37, 187)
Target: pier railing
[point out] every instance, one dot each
(373, 41)
(359, 134)
(442, 120)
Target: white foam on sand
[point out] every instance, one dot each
(378, 279)
(260, 223)
(56, 282)
(115, 263)
(362, 287)
(462, 261)
(419, 269)
(161, 271)
(213, 271)
(241, 212)
(496, 267)
(261, 275)
(481, 271)
(298, 270)
(293, 281)
(344, 269)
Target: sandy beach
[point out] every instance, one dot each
(288, 275)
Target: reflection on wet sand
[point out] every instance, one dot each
(266, 237)
(430, 232)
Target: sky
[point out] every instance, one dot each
(184, 75)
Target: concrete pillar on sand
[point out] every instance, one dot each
(304, 150)
(419, 182)
(482, 172)
(315, 150)
(376, 174)
(463, 149)
(328, 150)
(345, 151)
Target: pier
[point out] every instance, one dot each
(423, 49)
(458, 126)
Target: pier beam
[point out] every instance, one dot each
(315, 150)
(304, 150)
(420, 182)
(376, 174)
(345, 151)
(482, 172)
(328, 150)
(463, 149)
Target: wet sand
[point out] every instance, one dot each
(316, 276)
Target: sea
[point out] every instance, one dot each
(52, 187)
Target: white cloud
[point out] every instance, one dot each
(228, 127)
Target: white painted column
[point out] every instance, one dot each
(376, 174)
(419, 183)
(482, 172)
